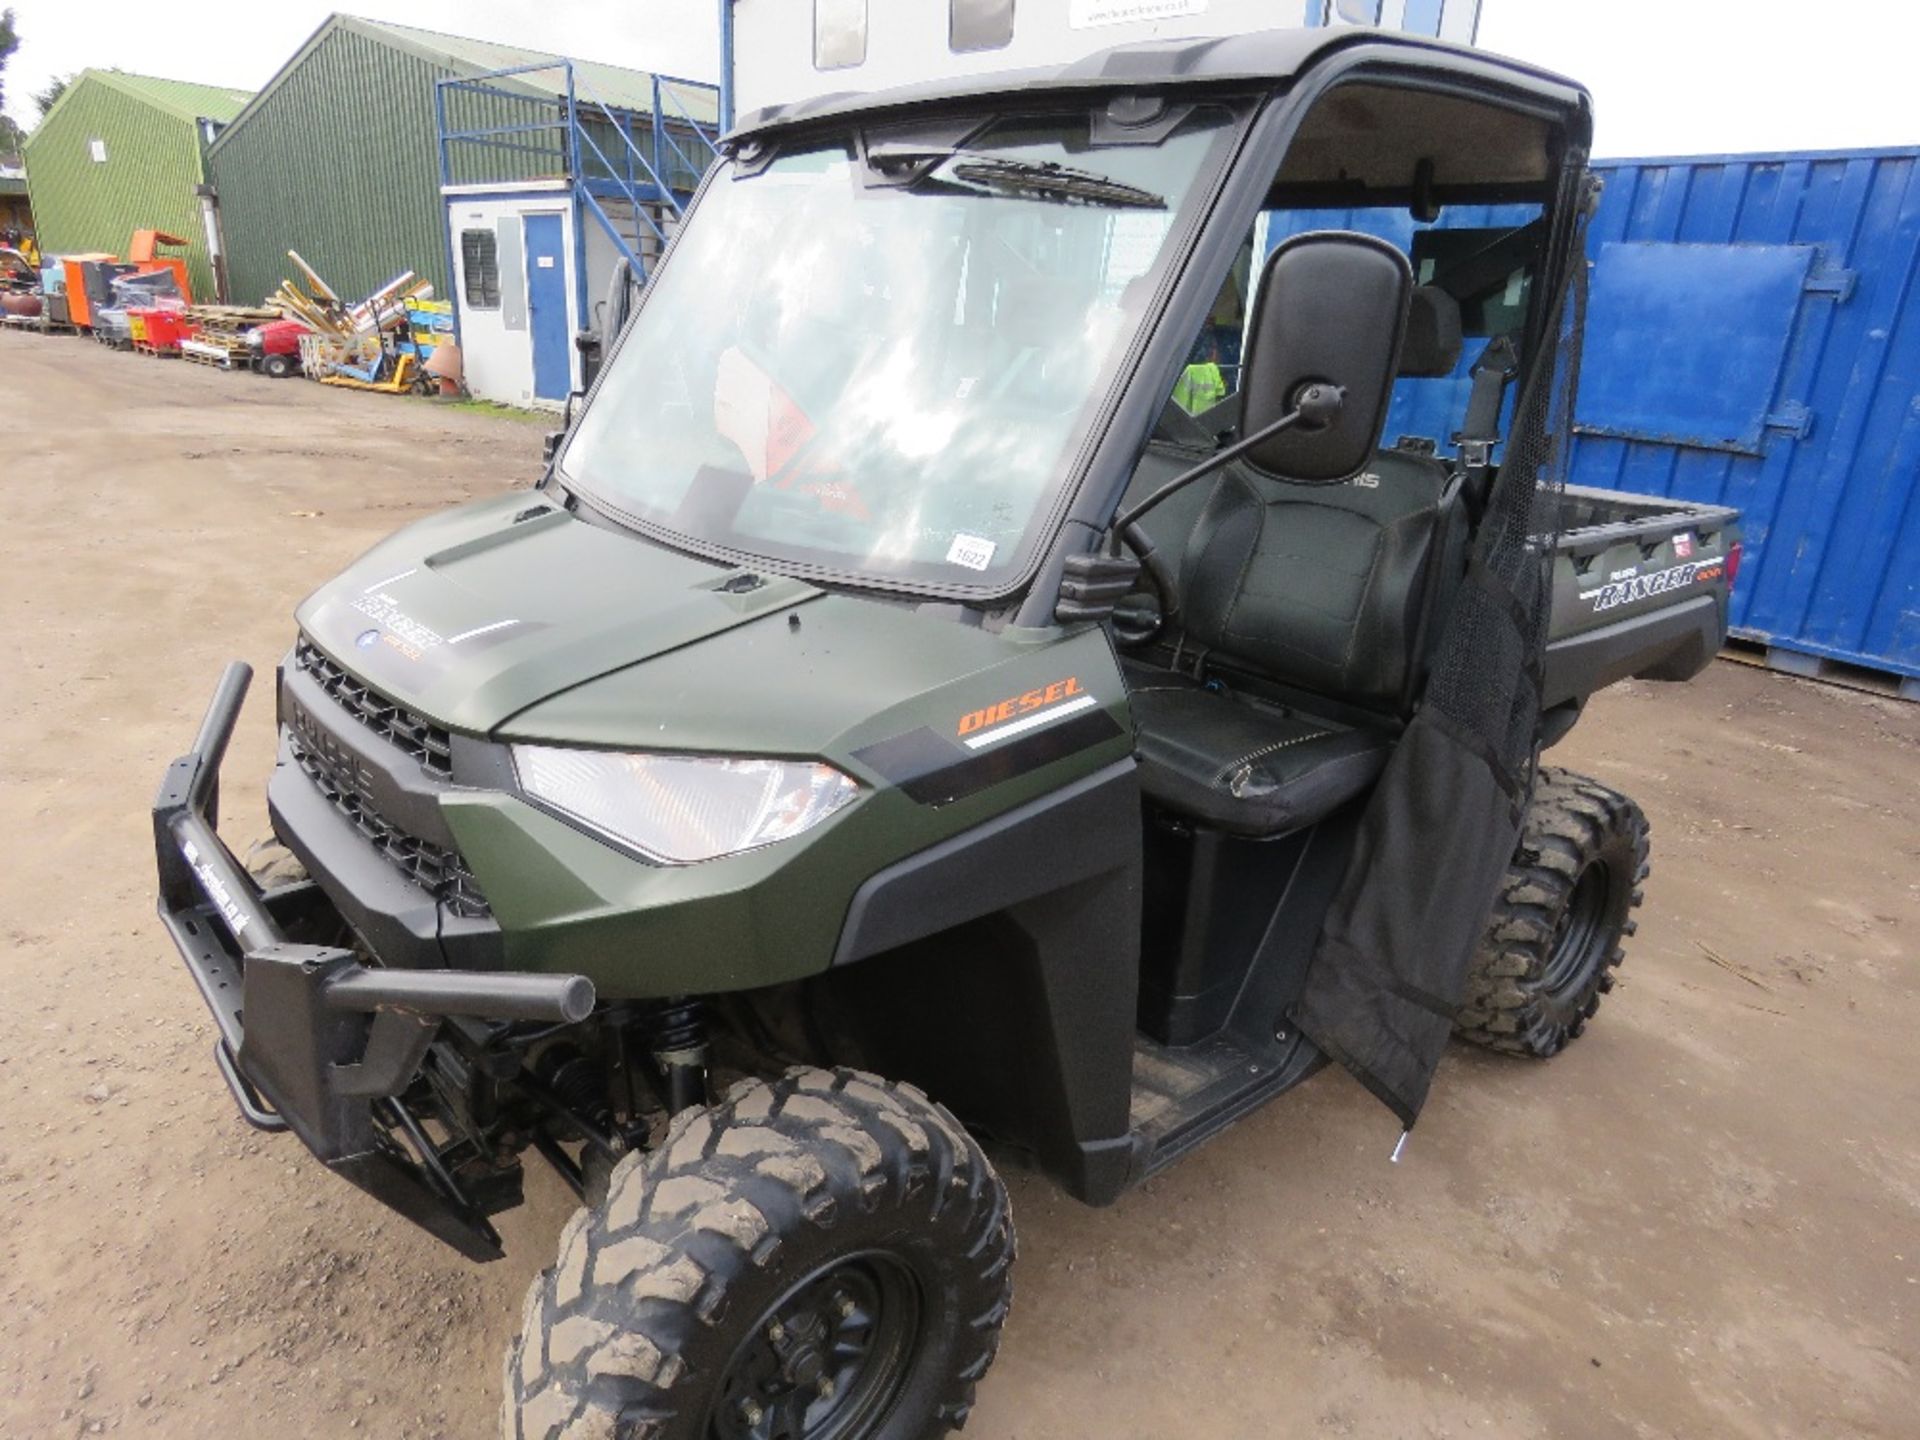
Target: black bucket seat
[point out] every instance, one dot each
(1313, 593)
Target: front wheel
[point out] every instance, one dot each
(1555, 934)
(823, 1257)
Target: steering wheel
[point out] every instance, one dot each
(1134, 628)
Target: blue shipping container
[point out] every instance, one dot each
(1753, 339)
(1750, 342)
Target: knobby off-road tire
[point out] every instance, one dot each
(826, 1209)
(1557, 926)
(272, 864)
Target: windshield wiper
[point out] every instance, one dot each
(1039, 178)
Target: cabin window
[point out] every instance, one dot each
(980, 24)
(839, 33)
(480, 267)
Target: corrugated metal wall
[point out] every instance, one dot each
(1831, 485)
(146, 182)
(338, 162)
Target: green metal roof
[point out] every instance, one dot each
(180, 98)
(613, 85)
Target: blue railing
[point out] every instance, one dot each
(658, 156)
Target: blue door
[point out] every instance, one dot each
(547, 306)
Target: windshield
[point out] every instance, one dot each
(881, 367)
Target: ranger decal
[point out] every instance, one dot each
(1641, 587)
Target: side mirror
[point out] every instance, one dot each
(1331, 311)
(554, 439)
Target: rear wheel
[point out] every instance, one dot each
(1565, 907)
(823, 1257)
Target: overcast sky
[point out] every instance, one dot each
(1668, 76)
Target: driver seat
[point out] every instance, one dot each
(1301, 603)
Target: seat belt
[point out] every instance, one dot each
(1491, 373)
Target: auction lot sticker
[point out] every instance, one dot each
(1084, 14)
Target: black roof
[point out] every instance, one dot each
(1263, 58)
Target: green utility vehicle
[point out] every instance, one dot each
(890, 725)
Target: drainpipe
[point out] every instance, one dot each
(726, 66)
(216, 248)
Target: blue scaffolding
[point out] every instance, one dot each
(509, 126)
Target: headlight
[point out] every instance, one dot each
(682, 808)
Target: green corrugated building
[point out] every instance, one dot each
(337, 157)
(119, 153)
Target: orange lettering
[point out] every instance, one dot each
(1021, 704)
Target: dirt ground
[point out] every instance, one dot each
(1703, 1220)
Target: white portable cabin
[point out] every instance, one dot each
(514, 254)
(785, 50)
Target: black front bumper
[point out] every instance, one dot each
(310, 1039)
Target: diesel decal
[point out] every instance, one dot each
(1625, 592)
(930, 767)
(1018, 714)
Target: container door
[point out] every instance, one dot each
(547, 306)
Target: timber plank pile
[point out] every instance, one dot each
(365, 344)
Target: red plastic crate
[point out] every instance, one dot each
(165, 328)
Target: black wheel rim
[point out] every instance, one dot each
(1581, 938)
(828, 1359)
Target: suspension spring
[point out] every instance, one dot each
(677, 1037)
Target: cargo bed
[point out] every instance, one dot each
(1640, 588)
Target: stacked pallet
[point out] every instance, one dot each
(221, 334)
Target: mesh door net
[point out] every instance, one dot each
(1438, 833)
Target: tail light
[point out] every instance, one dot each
(1733, 564)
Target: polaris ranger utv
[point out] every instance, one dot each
(889, 721)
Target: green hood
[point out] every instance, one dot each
(472, 616)
(551, 628)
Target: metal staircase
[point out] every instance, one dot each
(631, 162)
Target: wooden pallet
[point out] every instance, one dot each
(162, 352)
(201, 353)
(1872, 679)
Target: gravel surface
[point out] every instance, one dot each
(1702, 1220)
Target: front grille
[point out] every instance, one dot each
(413, 733)
(442, 872)
(439, 871)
